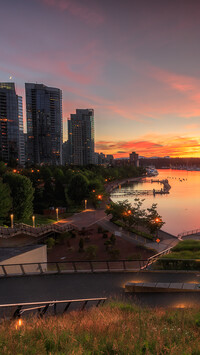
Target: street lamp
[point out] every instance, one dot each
(85, 204)
(57, 214)
(157, 221)
(33, 219)
(11, 220)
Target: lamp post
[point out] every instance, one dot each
(157, 221)
(85, 204)
(11, 220)
(57, 214)
(33, 219)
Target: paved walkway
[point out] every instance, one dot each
(89, 217)
(73, 286)
(166, 240)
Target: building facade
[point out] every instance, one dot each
(11, 125)
(134, 159)
(81, 137)
(44, 124)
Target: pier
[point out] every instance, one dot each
(153, 192)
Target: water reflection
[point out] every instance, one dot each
(180, 209)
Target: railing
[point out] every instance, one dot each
(71, 267)
(155, 257)
(42, 307)
(184, 234)
(33, 231)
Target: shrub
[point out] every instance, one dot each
(107, 244)
(91, 251)
(73, 234)
(81, 245)
(100, 230)
(113, 239)
(50, 243)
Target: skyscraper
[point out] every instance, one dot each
(44, 124)
(11, 124)
(22, 158)
(81, 137)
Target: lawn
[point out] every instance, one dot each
(113, 329)
(184, 256)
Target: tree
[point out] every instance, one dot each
(78, 188)
(2, 168)
(22, 195)
(153, 220)
(5, 200)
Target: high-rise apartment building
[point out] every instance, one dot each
(81, 137)
(133, 158)
(44, 124)
(22, 158)
(11, 125)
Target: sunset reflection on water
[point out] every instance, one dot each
(180, 209)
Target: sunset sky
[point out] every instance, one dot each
(136, 62)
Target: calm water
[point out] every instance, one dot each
(180, 209)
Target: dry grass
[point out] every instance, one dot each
(116, 328)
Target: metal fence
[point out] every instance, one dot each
(71, 267)
(16, 310)
(184, 234)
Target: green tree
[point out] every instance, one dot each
(2, 168)
(5, 200)
(78, 188)
(153, 219)
(22, 195)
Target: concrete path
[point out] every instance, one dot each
(75, 286)
(165, 243)
(85, 218)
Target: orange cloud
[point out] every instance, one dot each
(157, 146)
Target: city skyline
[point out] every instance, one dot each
(135, 63)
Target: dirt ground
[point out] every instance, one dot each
(69, 248)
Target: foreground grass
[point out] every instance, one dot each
(116, 328)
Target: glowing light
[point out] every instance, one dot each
(57, 214)
(10, 77)
(11, 220)
(19, 324)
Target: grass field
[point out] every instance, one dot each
(114, 329)
(184, 256)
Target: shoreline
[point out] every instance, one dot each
(115, 185)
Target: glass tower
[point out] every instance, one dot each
(81, 137)
(9, 123)
(44, 124)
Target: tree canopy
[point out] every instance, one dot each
(5, 200)
(22, 194)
